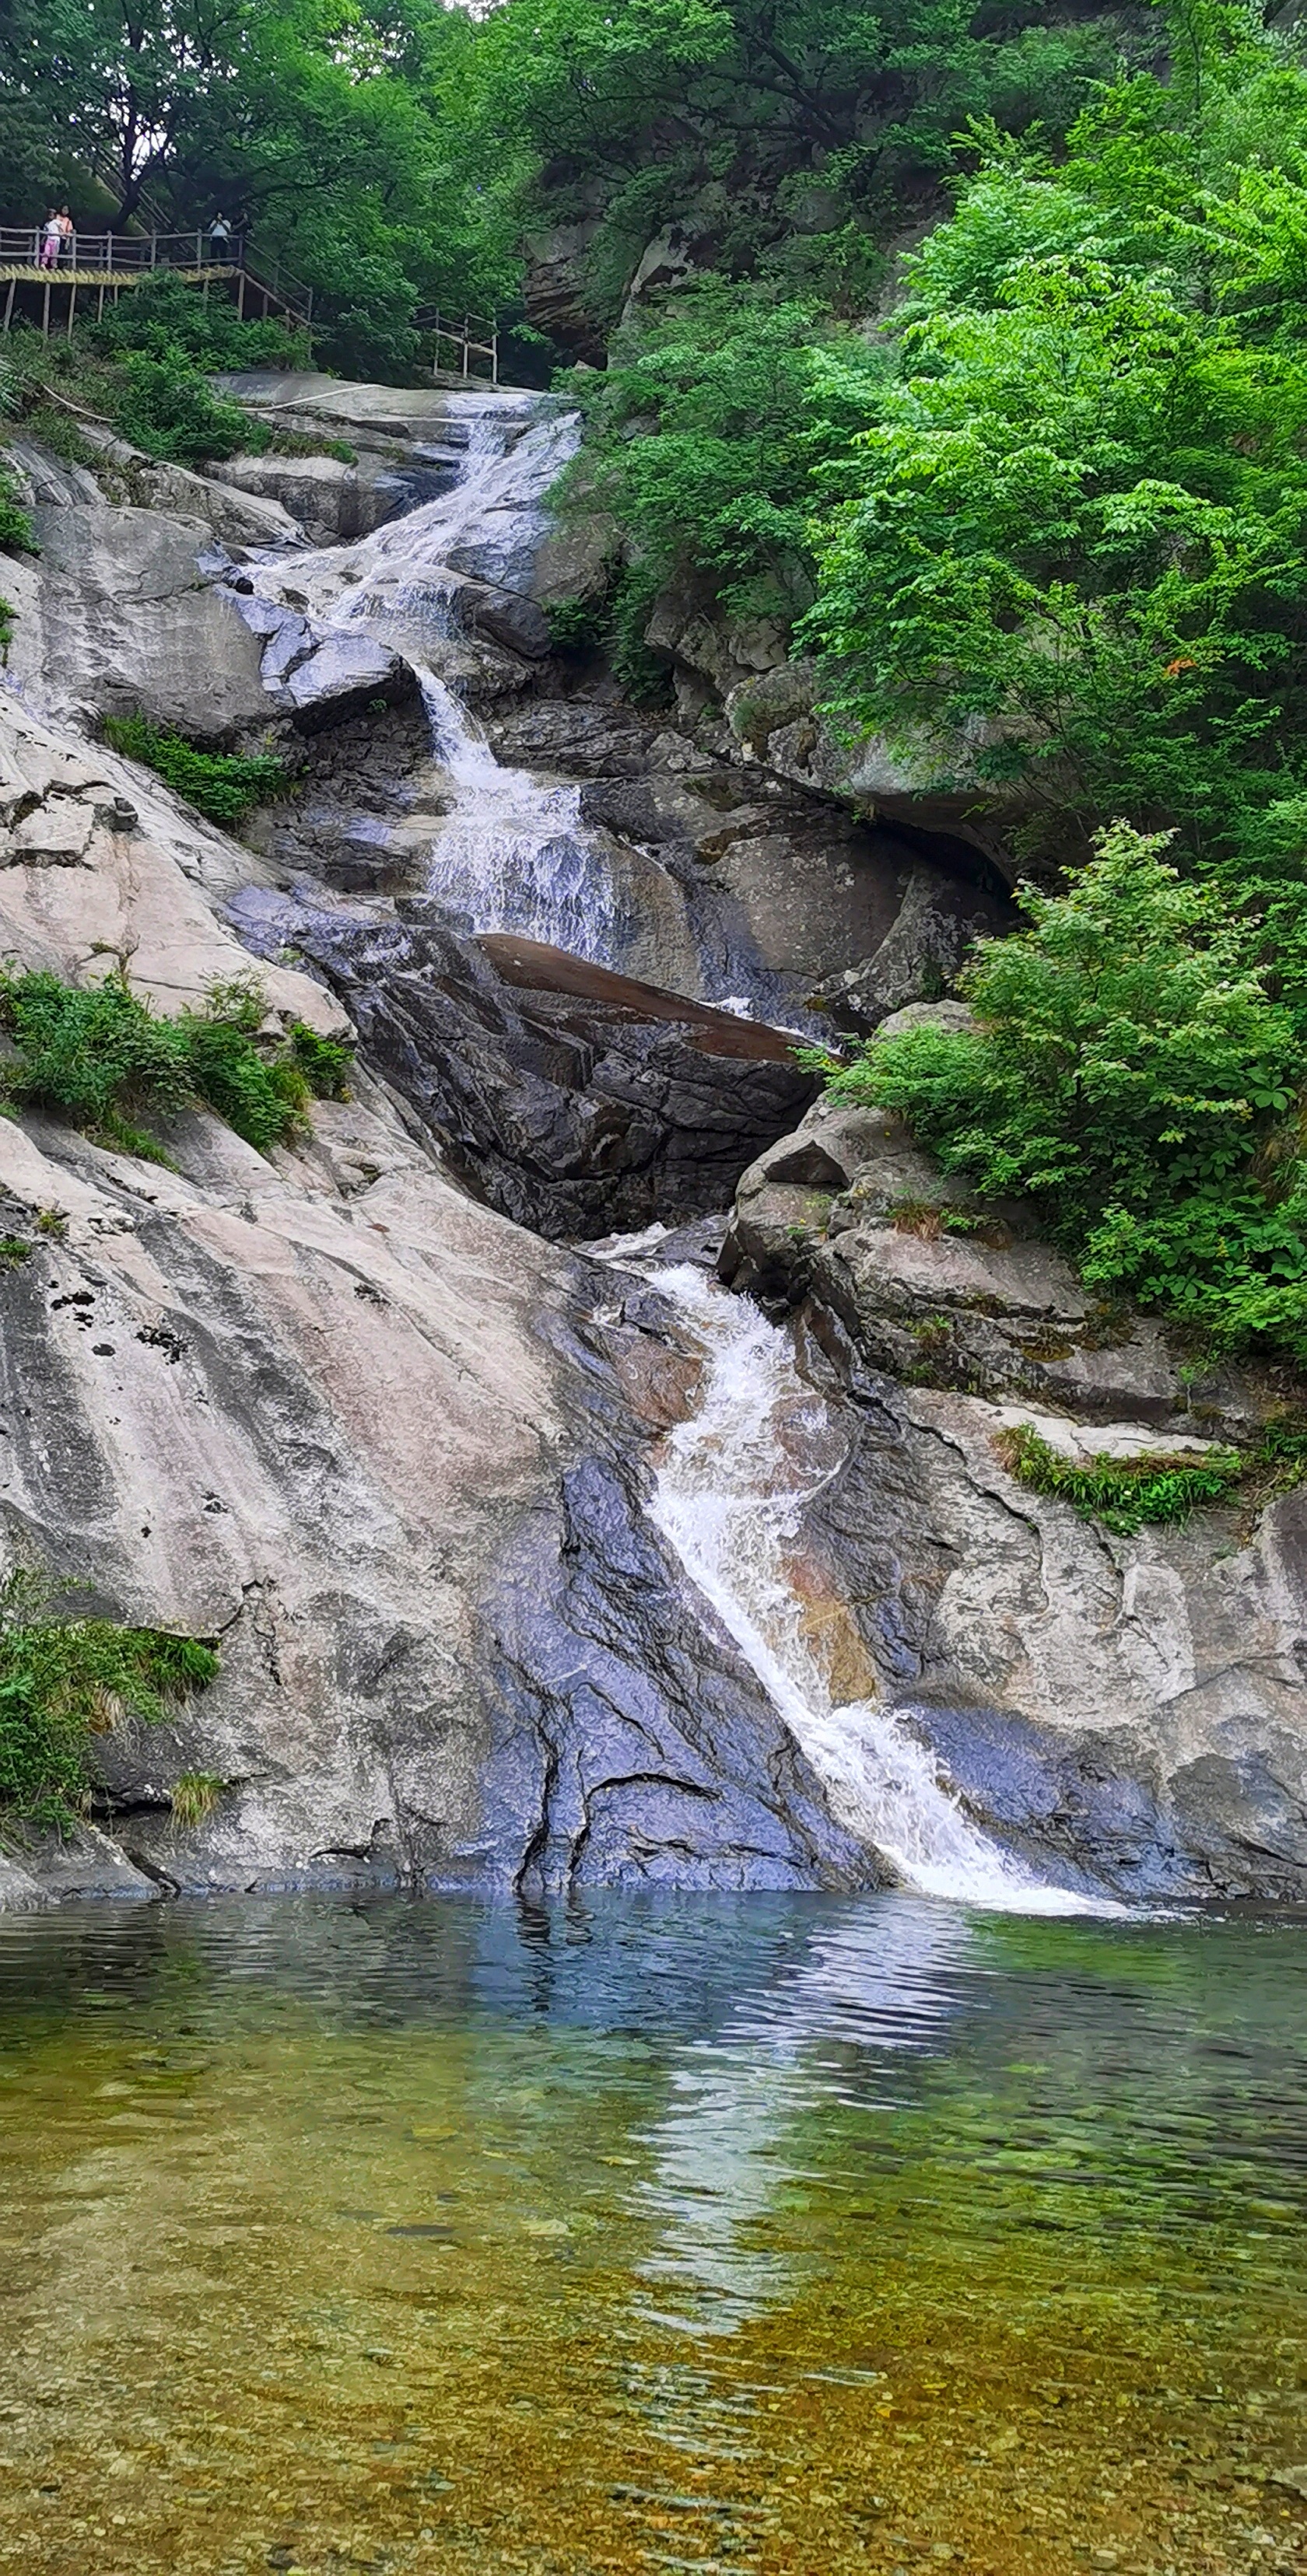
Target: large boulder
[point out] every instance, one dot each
(577, 1100)
(116, 616)
(850, 1214)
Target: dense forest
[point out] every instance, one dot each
(963, 344)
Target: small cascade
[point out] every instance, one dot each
(513, 854)
(730, 1496)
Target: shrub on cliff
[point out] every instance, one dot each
(64, 1681)
(223, 785)
(100, 1057)
(1131, 1071)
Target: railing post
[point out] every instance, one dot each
(494, 354)
(199, 248)
(308, 306)
(108, 250)
(154, 250)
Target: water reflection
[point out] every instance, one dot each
(749, 2232)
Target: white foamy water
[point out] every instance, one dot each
(730, 1496)
(513, 853)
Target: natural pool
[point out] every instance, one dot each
(691, 2234)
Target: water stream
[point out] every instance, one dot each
(513, 854)
(730, 1495)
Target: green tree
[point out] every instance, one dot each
(1132, 1073)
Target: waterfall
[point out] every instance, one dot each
(730, 1496)
(513, 853)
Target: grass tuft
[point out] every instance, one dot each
(64, 1681)
(1124, 1493)
(222, 785)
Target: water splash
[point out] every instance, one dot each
(729, 1496)
(514, 853)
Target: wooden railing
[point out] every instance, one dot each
(124, 258)
(475, 336)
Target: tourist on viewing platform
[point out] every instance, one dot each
(67, 236)
(220, 242)
(51, 237)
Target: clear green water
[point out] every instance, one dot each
(694, 2235)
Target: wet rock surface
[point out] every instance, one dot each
(1130, 1713)
(1125, 1714)
(576, 1110)
(805, 887)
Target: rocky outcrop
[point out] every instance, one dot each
(782, 876)
(115, 615)
(576, 1100)
(326, 1410)
(850, 1214)
(1128, 1713)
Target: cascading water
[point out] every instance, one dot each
(513, 853)
(729, 1497)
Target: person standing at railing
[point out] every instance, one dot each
(51, 239)
(220, 242)
(67, 237)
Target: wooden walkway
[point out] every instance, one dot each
(105, 265)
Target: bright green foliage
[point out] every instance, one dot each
(64, 1681)
(168, 410)
(165, 318)
(223, 785)
(325, 1063)
(1124, 1493)
(1133, 1074)
(16, 532)
(1077, 522)
(704, 434)
(98, 1056)
(791, 134)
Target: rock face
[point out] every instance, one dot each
(326, 1409)
(1129, 1710)
(775, 874)
(116, 615)
(577, 1101)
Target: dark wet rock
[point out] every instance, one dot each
(632, 1744)
(796, 883)
(922, 952)
(577, 1102)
